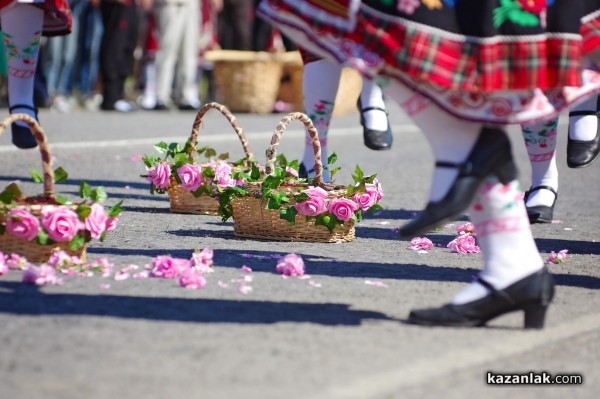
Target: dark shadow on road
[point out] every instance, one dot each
(146, 209)
(575, 247)
(93, 183)
(28, 300)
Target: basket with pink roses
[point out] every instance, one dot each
(276, 204)
(35, 227)
(186, 181)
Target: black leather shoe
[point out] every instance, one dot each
(491, 155)
(540, 213)
(160, 106)
(377, 140)
(531, 294)
(304, 173)
(582, 153)
(21, 135)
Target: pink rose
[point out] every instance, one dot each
(167, 267)
(42, 275)
(3, 264)
(223, 169)
(60, 222)
(202, 261)
(315, 192)
(191, 176)
(22, 224)
(464, 244)
(467, 228)
(420, 244)
(557, 258)
(95, 222)
(342, 208)
(369, 198)
(61, 259)
(192, 279)
(159, 175)
(17, 262)
(226, 181)
(290, 265)
(111, 223)
(313, 206)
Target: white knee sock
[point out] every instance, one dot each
(451, 139)
(372, 96)
(320, 84)
(540, 140)
(584, 127)
(22, 26)
(504, 236)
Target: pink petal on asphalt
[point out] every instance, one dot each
(422, 252)
(122, 276)
(136, 158)
(246, 269)
(140, 275)
(376, 283)
(127, 187)
(222, 284)
(244, 289)
(105, 286)
(383, 223)
(304, 277)
(248, 279)
(557, 222)
(315, 284)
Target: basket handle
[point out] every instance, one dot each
(232, 120)
(314, 136)
(40, 137)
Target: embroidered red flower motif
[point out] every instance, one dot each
(533, 6)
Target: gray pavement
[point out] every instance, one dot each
(287, 338)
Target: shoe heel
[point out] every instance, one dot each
(506, 172)
(535, 315)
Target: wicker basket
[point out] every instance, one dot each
(291, 89)
(182, 200)
(246, 81)
(10, 244)
(251, 219)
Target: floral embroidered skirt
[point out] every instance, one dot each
(493, 61)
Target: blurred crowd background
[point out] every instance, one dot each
(73, 70)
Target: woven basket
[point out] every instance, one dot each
(182, 200)
(251, 219)
(36, 253)
(291, 90)
(246, 81)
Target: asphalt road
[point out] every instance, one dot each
(335, 335)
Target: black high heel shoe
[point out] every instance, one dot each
(491, 155)
(531, 294)
(304, 173)
(582, 153)
(540, 213)
(377, 140)
(21, 135)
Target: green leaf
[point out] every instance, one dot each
(332, 159)
(36, 175)
(60, 175)
(255, 173)
(103, 236)
(210, 153)
(327, 220)
(62, 200)
(174, 149)
(77, 242)
(271, 182)
(288, 214)
(115, 209)
(276, 199)
(11, 192)
(150, 160)
(98, 195)
(208, 173)
(223, 156)
(83, 211)
(358, 174)
(370, 179)
(42, 238)
(180, 159)
(85, 190)
(333, 171)
(162, 147)
(2, 229)
(374, 208)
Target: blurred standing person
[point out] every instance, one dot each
(116, 52)
(89, 40)
(23, 24)
(234, 25)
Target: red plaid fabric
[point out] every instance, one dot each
(455, 61)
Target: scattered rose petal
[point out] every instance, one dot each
(464, 244)
(385, 222)
(247, 256)
(291, 265)
(122, 275)
(127, 187)
(105, 286)
(222, 284)
(248, 279)
(246, 269)
(420, 243)
(380, 284)
(557, 222)
(41, 275)
(136, 158)
(142, 274)
(422, 251)
(244, 289)
(315, 284)
(568, 229)
(467, 228)
(192, 279)
(396, 230)
(556, 258)
(304, 277)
